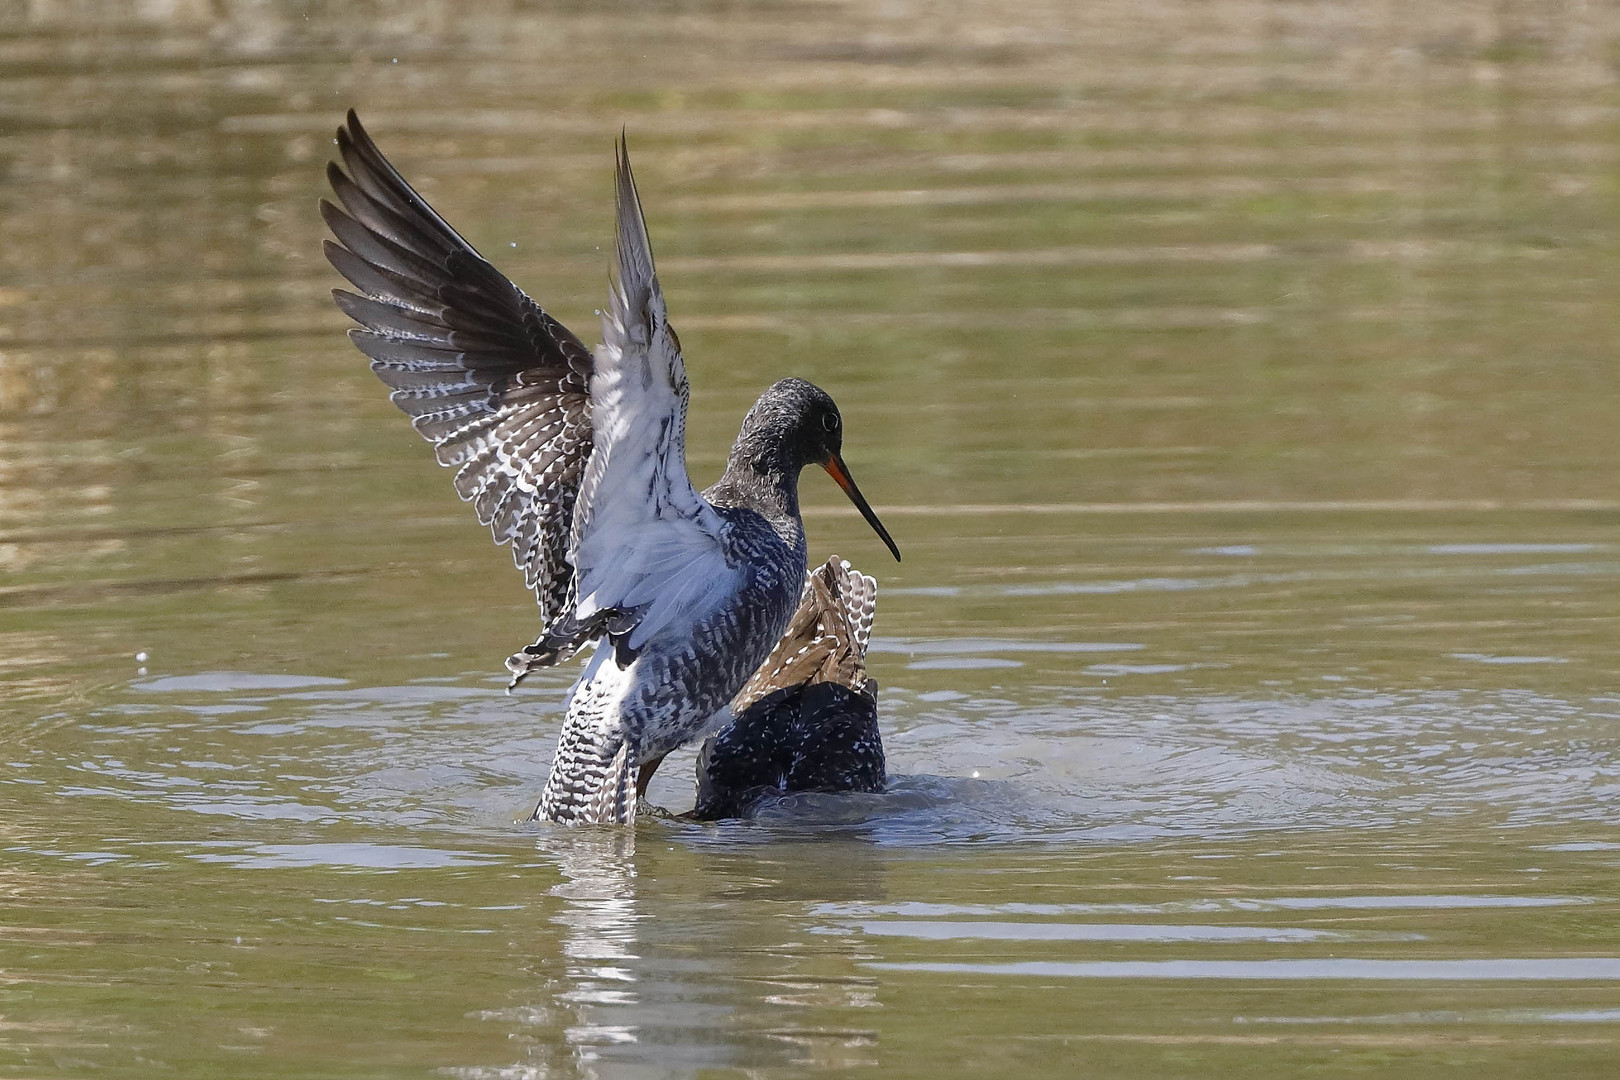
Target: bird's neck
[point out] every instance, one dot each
(759, 478)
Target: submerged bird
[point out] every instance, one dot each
(807, 719)
(578, 460)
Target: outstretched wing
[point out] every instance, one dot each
(825, 640)
(498, 386)
(646, 545)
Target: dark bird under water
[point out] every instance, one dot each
(577, 458)
(807, 719)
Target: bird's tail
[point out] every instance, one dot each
(826, 638)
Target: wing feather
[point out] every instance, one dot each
(645, 543)
(499, 387)
(826, 637)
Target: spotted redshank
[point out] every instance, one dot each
(578, 460)
(807, 719)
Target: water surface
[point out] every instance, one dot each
(1237, 378)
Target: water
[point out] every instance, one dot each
(1237, 379)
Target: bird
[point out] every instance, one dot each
(807, 718)
(577, 459)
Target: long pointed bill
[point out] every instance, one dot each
(840, 473)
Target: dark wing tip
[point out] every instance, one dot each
(353, 131)
(330, 213)
(481, 370)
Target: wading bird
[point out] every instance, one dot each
(578, 460)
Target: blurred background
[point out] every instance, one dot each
(1358, 255)
(1237, 378)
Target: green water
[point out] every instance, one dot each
(1238, 379)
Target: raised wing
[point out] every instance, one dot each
(498, 386)
(826, 638)
(646, 545)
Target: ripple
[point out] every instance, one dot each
(1486, 658)
(356, 856)
(1135, 669)
(1091, 765)
(1136, 932)
(1511, 549)
(1439, 1016)
(232, 681)
(963, 663)
(1211, 905)
(1320, 969)
(948, 646)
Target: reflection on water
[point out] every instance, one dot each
(1237, 376)
(598, 940)
(1325, 968)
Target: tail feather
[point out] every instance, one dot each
(826, 638)
(857, 594)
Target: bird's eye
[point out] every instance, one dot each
(829, 421)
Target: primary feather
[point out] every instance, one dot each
(495, 383)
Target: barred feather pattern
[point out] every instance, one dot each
(826, 637)
(499, 387)
(807, 719)
(593, 772)
(677, 687)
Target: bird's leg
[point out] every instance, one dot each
(644, 777)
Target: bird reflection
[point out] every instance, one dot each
(694, 953)
(598, 917)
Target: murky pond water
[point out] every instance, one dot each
(1238, 378)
